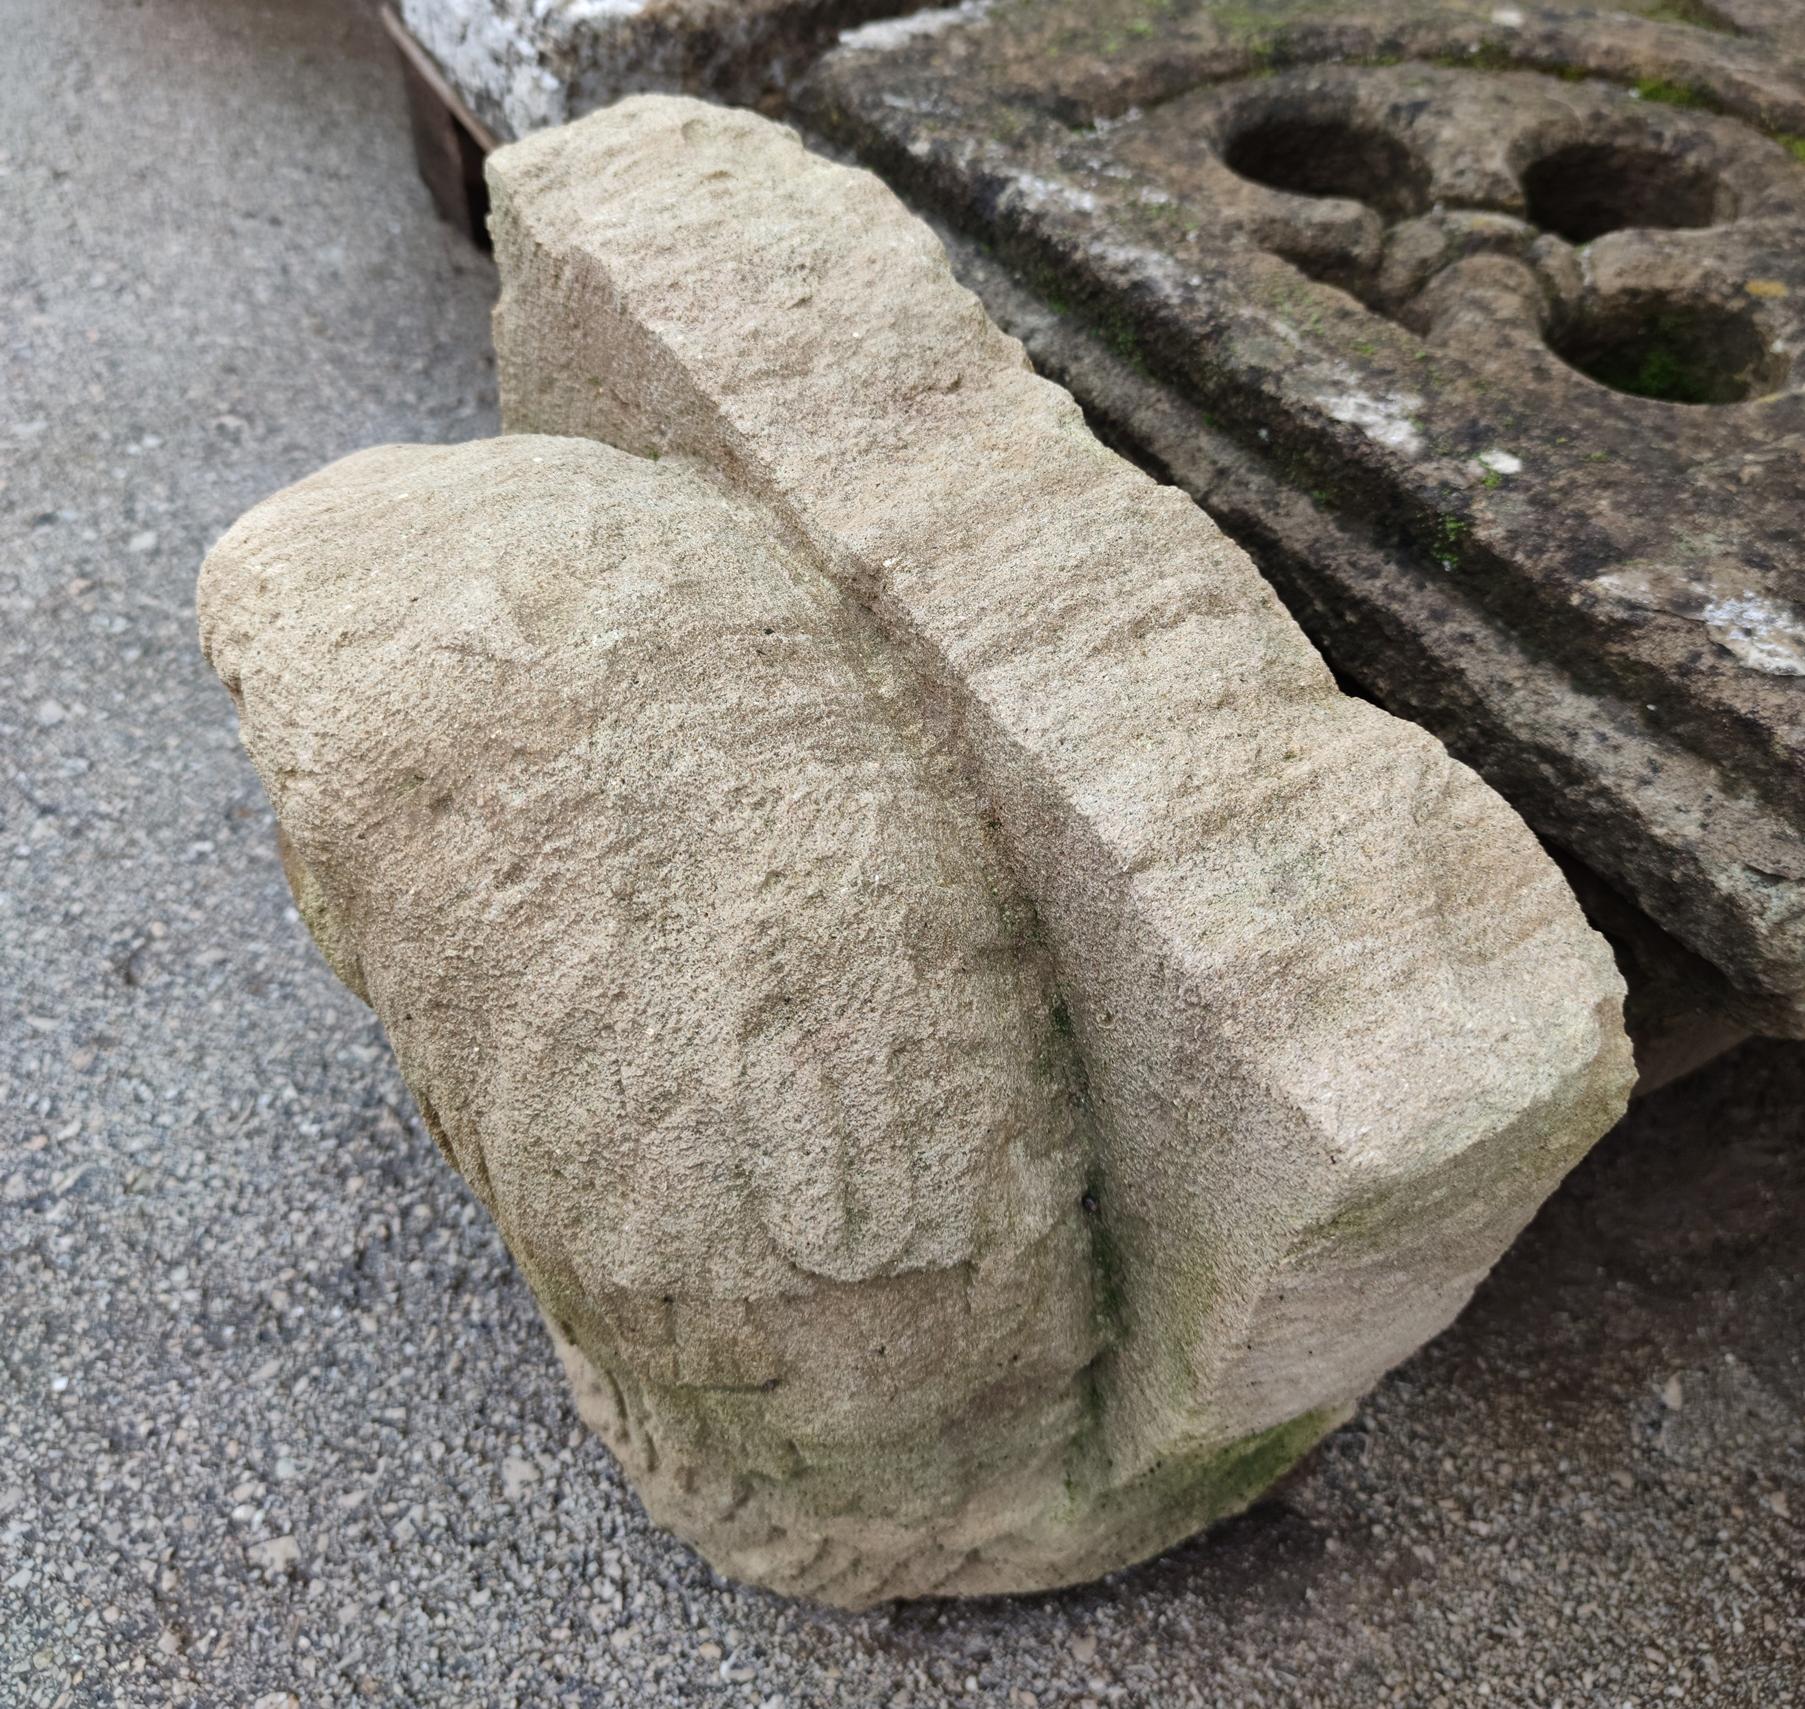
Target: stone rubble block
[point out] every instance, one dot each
(981, 1050)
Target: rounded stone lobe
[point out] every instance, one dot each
(697, 960)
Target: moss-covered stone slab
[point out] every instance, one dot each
(1483, 327)
(523, 64)
(982, 1050)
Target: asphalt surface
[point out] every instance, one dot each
(278, 1423)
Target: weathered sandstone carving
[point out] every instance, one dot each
(982, 1051)
(1480, 326)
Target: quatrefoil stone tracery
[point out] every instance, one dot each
(1455, 203)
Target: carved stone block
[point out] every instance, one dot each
(982, 1050)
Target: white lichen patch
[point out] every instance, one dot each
(1764, 634)
(1040, 192)
(1388, 421)
(886, 33)
(1500, 462)
(1103, 123)
(494, 53)
(1760, 632)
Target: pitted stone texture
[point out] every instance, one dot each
(981, 1050)
(1335, 1019)
(525, 64)
(697, 961)
(1385, 319)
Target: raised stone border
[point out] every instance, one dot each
(522, 65)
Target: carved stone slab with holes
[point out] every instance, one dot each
(1484, 329)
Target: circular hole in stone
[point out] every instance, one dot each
(1674, 352)
(1330, 157)
(1590, 188)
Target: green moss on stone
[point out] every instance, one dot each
(1118, 332)
(1449, 542)
(1670, 359)
(1671, 94)
(1109, 1267)
(1196, 1489)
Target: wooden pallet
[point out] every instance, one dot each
(450, 141)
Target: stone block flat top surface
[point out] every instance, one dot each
(982, 1050)
(1513, 301)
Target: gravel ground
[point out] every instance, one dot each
(278, 1423)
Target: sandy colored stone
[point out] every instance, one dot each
(982, 1051)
